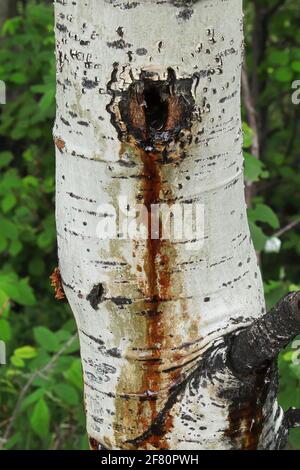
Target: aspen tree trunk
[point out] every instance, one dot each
(148, 108)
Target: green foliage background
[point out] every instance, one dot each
(41, 404)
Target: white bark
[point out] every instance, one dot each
(142, 371)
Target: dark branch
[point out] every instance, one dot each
(273, 9)
(262, 341)
(292, 417)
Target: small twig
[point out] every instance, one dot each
(288, 227)
(252, 121)
(273, 9)
(251, 112)
(3, 423)
(27, 386)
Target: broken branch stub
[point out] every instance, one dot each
(261, 342)
(292, 418)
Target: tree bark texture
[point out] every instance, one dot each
(148, 106)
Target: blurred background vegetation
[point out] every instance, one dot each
(41, 404)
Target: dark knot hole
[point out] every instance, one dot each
(156, 107)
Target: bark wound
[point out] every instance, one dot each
(60, 144)
(156, 113)
(154, 118)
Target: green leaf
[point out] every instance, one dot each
(3, 243)
(30, 182)
(46, 338)
(15, 247)
(17, 290)
(8, 202)
(45, 239)
(254, 168)
(8, 228)
(296, 66)
(25, 352)
(294, 438)
(3, 299)
(11, 25)
(284, 75)
(40, 419)
(5, 330)
(5, 159)
(279, 58)
(63, 364)
(13, 441)
(17, 361)
(67, 394)
(258, 236)
(248, 135)
(19, 78)
(274, 290)
(84, 443)
(40, 360)
(47, 100)
(264, 213)
(32, 398)
(74, 374)
(63, 335)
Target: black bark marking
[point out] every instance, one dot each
(95, 296)
(93, 338)
(185, 14)
(120, 31)
(62, 28)
(118, 44)
(121, 301)
(90, 84)
(141, 51)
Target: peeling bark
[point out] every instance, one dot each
(148, 106)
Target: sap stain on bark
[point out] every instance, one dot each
(245, 417)
(152, 117)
